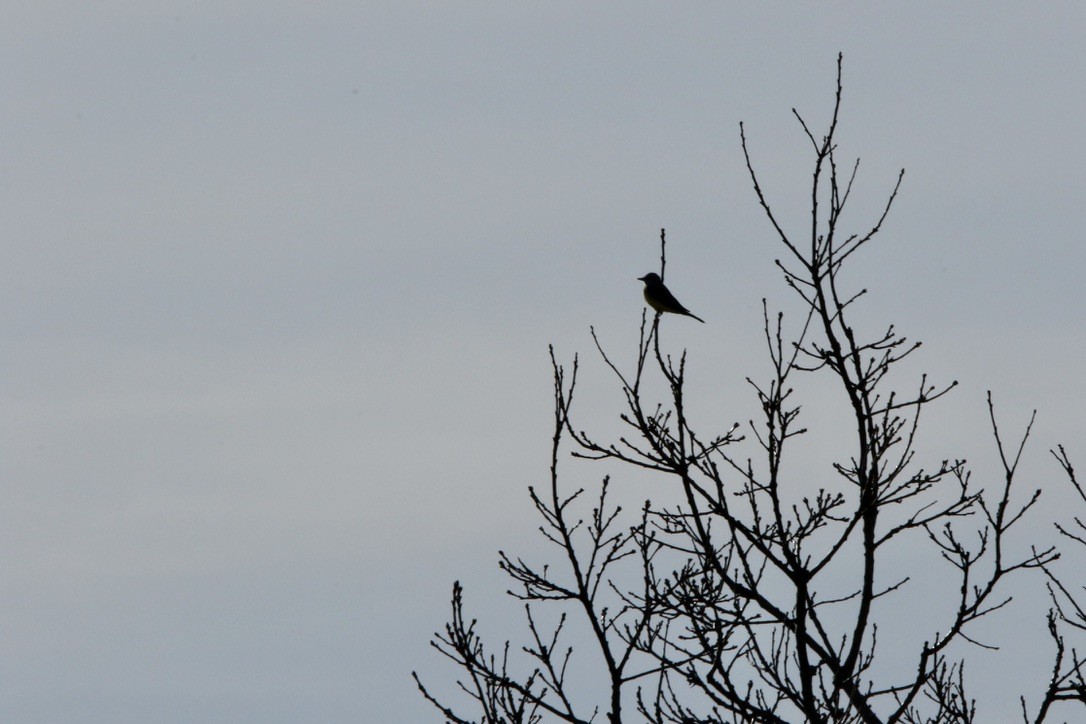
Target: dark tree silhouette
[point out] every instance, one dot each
(729, 605)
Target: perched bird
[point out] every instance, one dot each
(660, 299)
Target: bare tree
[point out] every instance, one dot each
(724, 606)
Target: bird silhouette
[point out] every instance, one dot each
(661, 299)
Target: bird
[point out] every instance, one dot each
(662, 300)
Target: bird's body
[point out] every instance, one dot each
(661, 299)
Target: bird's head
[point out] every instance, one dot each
(650, 278)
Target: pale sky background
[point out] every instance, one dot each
(278, 281)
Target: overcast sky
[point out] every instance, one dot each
(278, 281)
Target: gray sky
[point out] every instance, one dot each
(278, 282)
